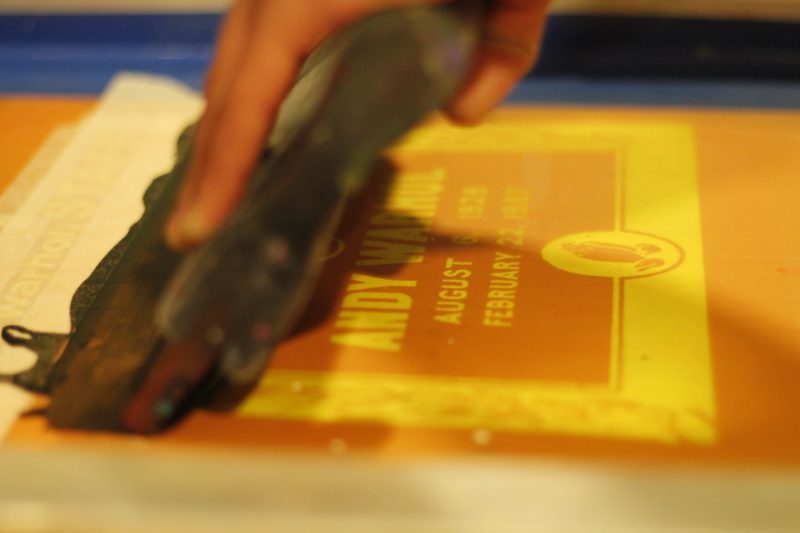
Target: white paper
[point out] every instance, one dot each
(81, 206)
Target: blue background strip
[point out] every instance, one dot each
(602, 60)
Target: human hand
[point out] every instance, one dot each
(263, 44)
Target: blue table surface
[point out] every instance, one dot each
(78, 55)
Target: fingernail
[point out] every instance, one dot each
(482, 95)
(188, 230)
(172, 234)
(195, 226)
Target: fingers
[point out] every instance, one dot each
(233, 37)
(234, 128)
(508, 51)
(230, 50)
(261, 48)
(227, 59)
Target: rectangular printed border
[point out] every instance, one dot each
(660, 383)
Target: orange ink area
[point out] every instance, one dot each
(591, 283)
(27, 122)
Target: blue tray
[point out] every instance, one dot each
(587, 60)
